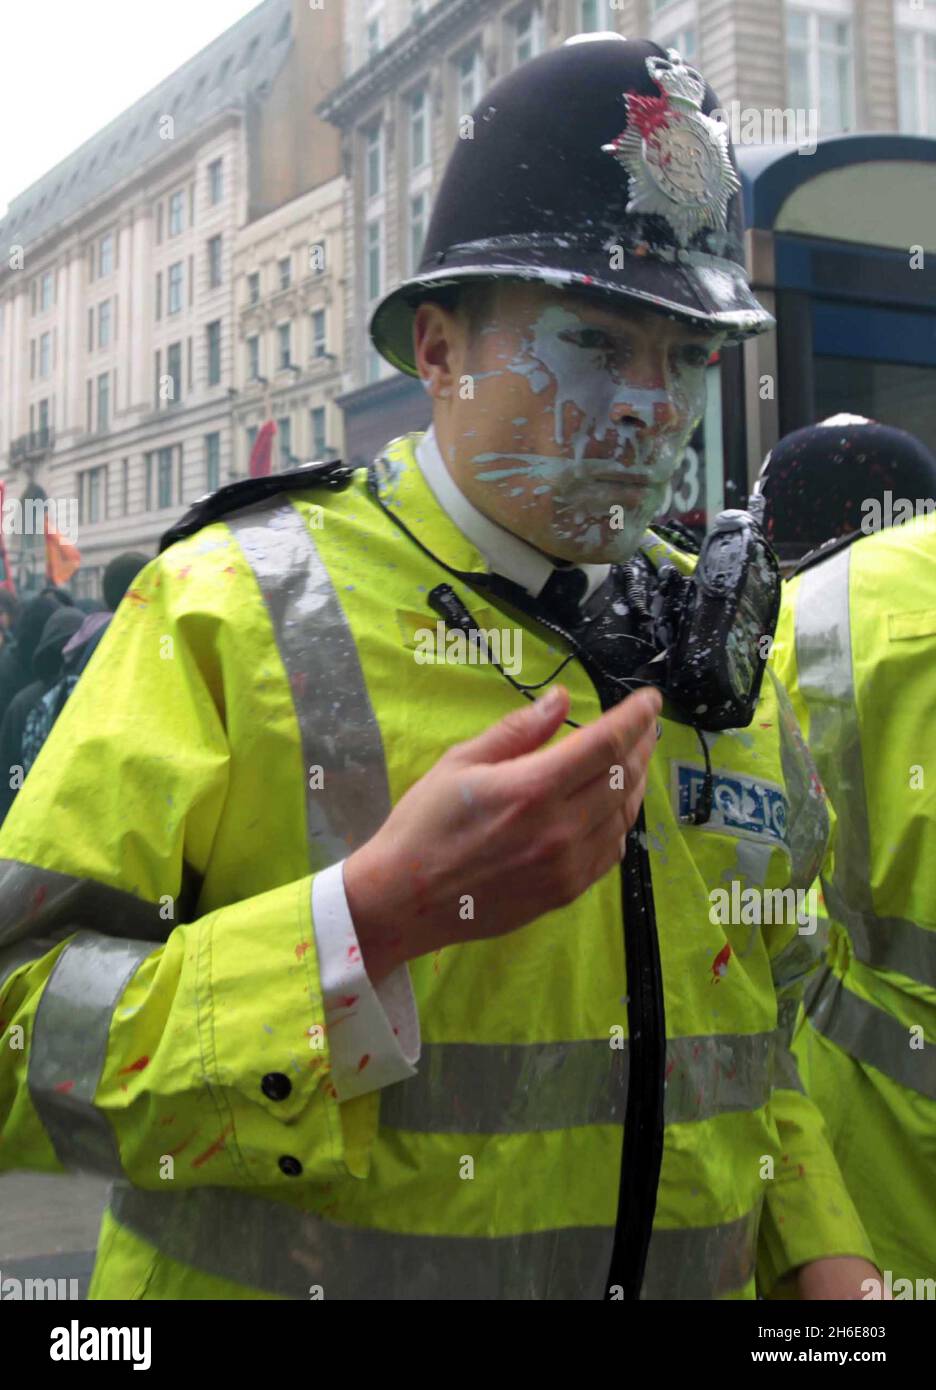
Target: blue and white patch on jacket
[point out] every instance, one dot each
(749, 807)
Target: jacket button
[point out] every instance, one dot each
(276, 1086)
(290, 1166)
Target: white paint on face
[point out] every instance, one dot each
(648, 443)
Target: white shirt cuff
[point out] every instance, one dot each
(373, 1033)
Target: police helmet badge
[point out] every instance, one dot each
(676, 157)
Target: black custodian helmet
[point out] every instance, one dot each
(817, 483)
(595, 166)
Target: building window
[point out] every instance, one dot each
(593, 17)
(103, 401)
(285, 272)
(251, 441)
(44, 421)
(213, 332)
(215, 182)
(374, 365)
(159, 222)
(46, 291)
(212, 461)
(374, 163)
(253, 357)
(176, 212)
(527, 27)
(373, 277)
(106, 255)
(164, 485)
(90, 331)
(191, 204)
(374, 36)
(158, 396)
(284, 435)
(174, 288)
(317, 421)
(820, 67)
(214, 262)
(174, 370)
(316, 257)
(318, 333)
(45, 354)
(916, 86)
(684, 42)
(419, 143)
(104, 323)
(89, 405)
(468, 69)
(92, 493)
(283, 340)
(253, 288)
(159, 294)
(125, 487)
(418, 206)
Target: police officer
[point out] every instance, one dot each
(855, 648)
(842, 475)
(318, 930)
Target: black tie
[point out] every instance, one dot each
(562, 597)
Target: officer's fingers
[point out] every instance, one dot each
(612, 791)
(521, 731)
(598, 749)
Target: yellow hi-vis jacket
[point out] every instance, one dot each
(856, 649)
(157, 953)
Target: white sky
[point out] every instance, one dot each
(70, 66)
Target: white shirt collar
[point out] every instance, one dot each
(505, 553)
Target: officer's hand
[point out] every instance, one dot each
(501, 830)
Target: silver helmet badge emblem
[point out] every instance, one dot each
(676, 156)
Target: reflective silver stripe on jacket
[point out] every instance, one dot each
(275, 1248)
(37, 901)
(23, 953)
(808, 824)
(69, 1045)
(492, 1088)
(337, 726)
(869, 1034)
(826, 679)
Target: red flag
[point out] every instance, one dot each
(262, 453)
(62, 558)
(6, 578)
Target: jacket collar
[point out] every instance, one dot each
(414, 481)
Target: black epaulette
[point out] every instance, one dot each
(246, 491)
(822, 552)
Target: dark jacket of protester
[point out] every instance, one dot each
(61, 623)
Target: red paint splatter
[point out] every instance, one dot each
(139, 1065)
(171, 1153)
(720, 963)
(363, 1062)
(212, 1149)
(670, 1067)
(649, 114)
(301, 949)
(587, 280)
(335, 1023)
(396, 1030)
(184, 572)
(137, 597)
(168, 1120)
(766, 726)
(353, 952)
(331, 1090)
(63, 1087)
(344, 1001)
(229, 569)
(800, 1170)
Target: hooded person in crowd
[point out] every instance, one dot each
(17, 751)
